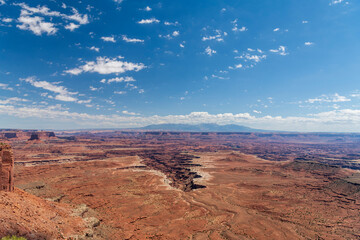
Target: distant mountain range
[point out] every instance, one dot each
(204, 127)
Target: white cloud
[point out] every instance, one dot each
(305, 21)
(4, 86)
(132, 40)
(62, 93)
(13, 100)
(281, 51)
(94, 49)
(181, 45)
(236, 28)
(118, 79)
(219, 77)
(7, 20)
(84, 101)
(120, 92)
(105, 65)
(333, 2)
(45, 11)
(276, 29)
(72, 26)
(218, 37)
(93, 88)
(37, 25)
(171, 23)
(65, 98)
(108, 39)
(130, 113)
(308, 43)
(329, 98)
(149, 21)
(242, 29)
(170, 36)
(335, 120)
(2, 2)
(209, 51)
(147, 9)
(251, 57)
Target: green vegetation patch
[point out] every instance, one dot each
(13, 238)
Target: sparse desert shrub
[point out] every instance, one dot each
(13, 238)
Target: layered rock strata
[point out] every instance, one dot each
(6, 168)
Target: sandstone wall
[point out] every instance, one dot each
(26, 135)
(6, 168)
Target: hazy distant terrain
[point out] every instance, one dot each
(205, 127)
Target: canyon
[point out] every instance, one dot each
(188, 185)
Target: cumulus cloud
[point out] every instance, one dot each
(29, 19)
(94, 49)
(251, 57)
(334, 2)
(147, 9)
(62, 92)
(2, 2)
(237, 66)
(276, 29)
(108, 39)
(37, 25)
(132, 40)
(209, 51)
(94, 88)
(105, 65)
(335, 98)
(118, 79)
(43, 10)
(13, 100)
(171, 23)
(148, 21)
(5, 86)
(72, 26)
(281, 51)
(7, 20)
(308, 43)
(236, 28)
(170, 36)
(219, 36)
(335, 120)
(130, 113)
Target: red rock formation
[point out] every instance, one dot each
(6, 168)
(26, 134)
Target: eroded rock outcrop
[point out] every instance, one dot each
(176, 167)
(6, 168)
(9, 134)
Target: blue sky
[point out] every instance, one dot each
(279, 64)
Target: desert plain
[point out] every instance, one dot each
(178, 185)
